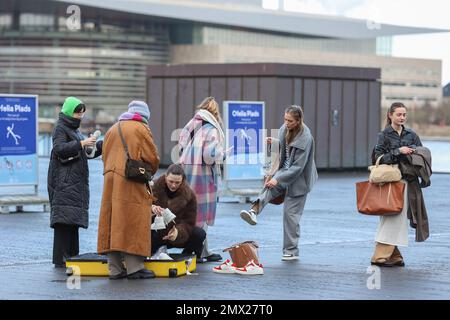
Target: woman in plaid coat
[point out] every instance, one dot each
(201, 145)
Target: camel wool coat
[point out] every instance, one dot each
(125, 213)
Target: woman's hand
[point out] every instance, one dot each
(157, 210)
(89, 141)
(271, 183)
(172, 235)
(406, 150)
(271, 140)
(229, 150)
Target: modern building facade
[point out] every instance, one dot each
(446, 90)
(446, 94)
(103, 63)
(99, 50)
(341, 104)
(410, 80)
(405, 79)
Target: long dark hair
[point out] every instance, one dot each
(297, 113)
(391, 111)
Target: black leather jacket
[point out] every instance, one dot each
(389, 143)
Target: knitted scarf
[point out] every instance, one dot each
(133, 117)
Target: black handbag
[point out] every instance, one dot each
(70, 159)
(136, 170)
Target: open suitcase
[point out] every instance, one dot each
(93, 264)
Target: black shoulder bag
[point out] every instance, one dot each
(136, 170)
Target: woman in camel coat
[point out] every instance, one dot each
(125, 214)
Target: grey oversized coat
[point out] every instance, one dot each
(301, 174)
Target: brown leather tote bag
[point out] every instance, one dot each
(244, 252)
(379, 200)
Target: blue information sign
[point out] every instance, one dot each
(244, 124)
(18, 140)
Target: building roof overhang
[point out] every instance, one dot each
(256, 18)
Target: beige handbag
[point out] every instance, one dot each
(384, 173)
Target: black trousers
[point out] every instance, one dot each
(65, 243)
(193, 245)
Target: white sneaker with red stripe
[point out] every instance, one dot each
(226, 267)
(251, 268)
(249, 216)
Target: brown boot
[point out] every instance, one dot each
(387, 256)
(382, 253)
(396, 258)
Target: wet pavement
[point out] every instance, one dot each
(336, 245)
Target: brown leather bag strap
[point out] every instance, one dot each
(123, 142)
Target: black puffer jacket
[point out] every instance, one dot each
(389, 142)
(68, 183)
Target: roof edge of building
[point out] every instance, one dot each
(258, 19)
(262, 69)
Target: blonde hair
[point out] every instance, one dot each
(297, 113)
(210, 104)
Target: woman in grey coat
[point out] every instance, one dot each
(295, 177)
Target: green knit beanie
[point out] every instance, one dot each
(69, 105)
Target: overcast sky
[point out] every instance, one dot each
(420, 13)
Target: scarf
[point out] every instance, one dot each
(207, 116)
(133, 117)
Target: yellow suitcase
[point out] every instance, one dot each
(93, 264)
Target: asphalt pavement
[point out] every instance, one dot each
(335, 249)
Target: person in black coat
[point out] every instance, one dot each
(396, 141)
(394, 144)
(68, 180)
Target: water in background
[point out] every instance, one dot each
(440, 152)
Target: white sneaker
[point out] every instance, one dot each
(289, 257)
(251, 268)
(225, 267)
(249, 216)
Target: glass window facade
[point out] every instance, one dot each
(210, 35)
(104, 63)
(384, 46)
(216, 35)
(32, 20)
(5, 21)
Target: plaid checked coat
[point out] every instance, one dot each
(201, 150)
